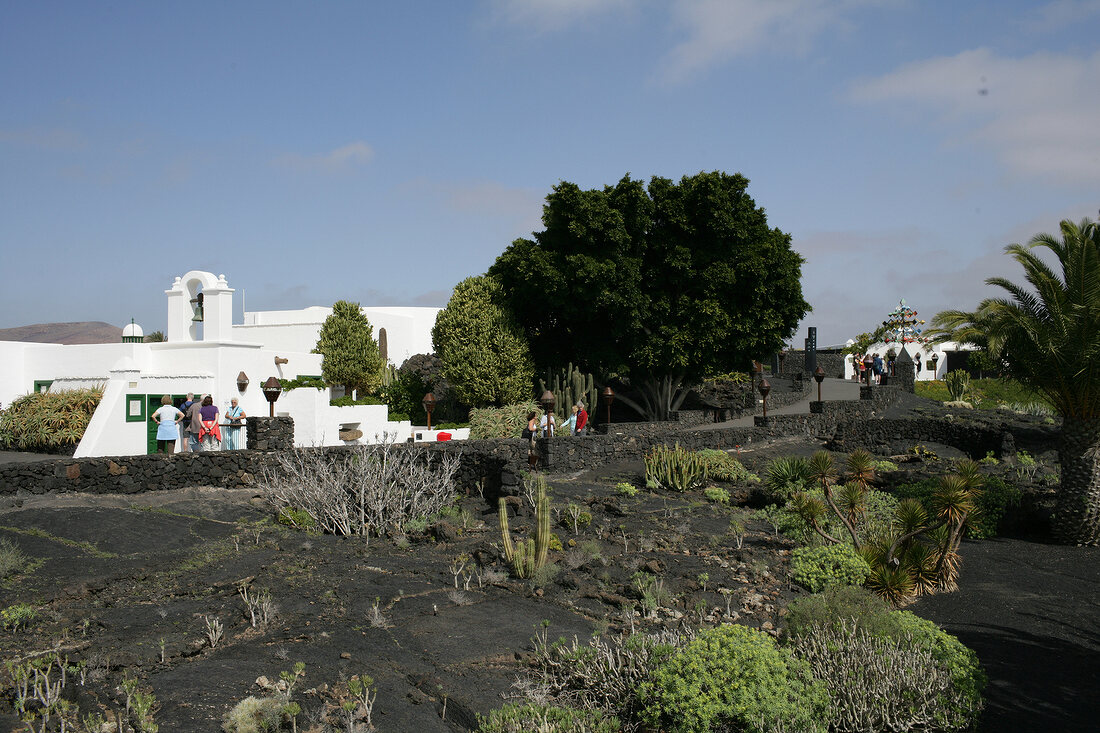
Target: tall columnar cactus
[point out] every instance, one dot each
(389, 374)
(570, 386)
(528, 555)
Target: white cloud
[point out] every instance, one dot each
(1039, 114)
(342, 158)
(719, 30)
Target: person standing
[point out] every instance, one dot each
(547, 425)
(570, 425)
(877, 369)
(582, 419)
(530, 433)
(210, 434)
(234, 415)
(193, 421)
(185, 432)
(167, 418)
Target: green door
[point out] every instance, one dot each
(152, 405)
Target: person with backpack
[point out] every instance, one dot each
(185, 426)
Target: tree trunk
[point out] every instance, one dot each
(1077, 514)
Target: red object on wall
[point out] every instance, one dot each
(442, 436)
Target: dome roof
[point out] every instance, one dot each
(132, 333)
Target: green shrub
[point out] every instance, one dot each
(534, 718)
(501, 422)
(721, 466)
(674, 468)
(836, 603)
(310, 382)
(17, 616)
(348, 401)
(736, 677)
(785, 477)
(624, 489)
(38, 421)
(298, 518)
(818, 568)
(717, 494)
(253, 715)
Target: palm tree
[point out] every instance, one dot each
(1048, 336)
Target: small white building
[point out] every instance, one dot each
(205, 353)
(931, 360)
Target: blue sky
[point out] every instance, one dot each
(381, 152)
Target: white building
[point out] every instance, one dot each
(206, 353)
(932, 360)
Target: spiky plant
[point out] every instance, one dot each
(528, 556)
(860, 468)
(1047, 334)
(786, 476)
(894, 584)
(851, 498)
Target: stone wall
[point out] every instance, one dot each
(493, 467)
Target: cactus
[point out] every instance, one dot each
(570, 386)
(389, 375)
(674, 468)
(957, 382)
(528, 555)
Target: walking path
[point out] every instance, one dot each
(831, 389)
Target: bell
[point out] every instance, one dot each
(198, 314)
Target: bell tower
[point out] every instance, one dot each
(199, 298)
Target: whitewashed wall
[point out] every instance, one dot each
(925, 350)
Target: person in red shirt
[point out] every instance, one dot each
(582, 419)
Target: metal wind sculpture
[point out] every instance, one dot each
(902, 326)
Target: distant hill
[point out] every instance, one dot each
(83, 332)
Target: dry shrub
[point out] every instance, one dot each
(367, 490)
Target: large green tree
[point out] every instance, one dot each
(1047, 336)
(350, 353)
(659, 285)
(485, 355)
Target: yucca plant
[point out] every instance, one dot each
(860, 468)
(674, 468)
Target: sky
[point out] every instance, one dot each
(383, 152)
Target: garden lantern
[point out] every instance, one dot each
(242, 382)
(608, 395)
(429, 405)
(935, 364)
(764, 388)
(272, 389)
(547, 401)
(819, 375)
